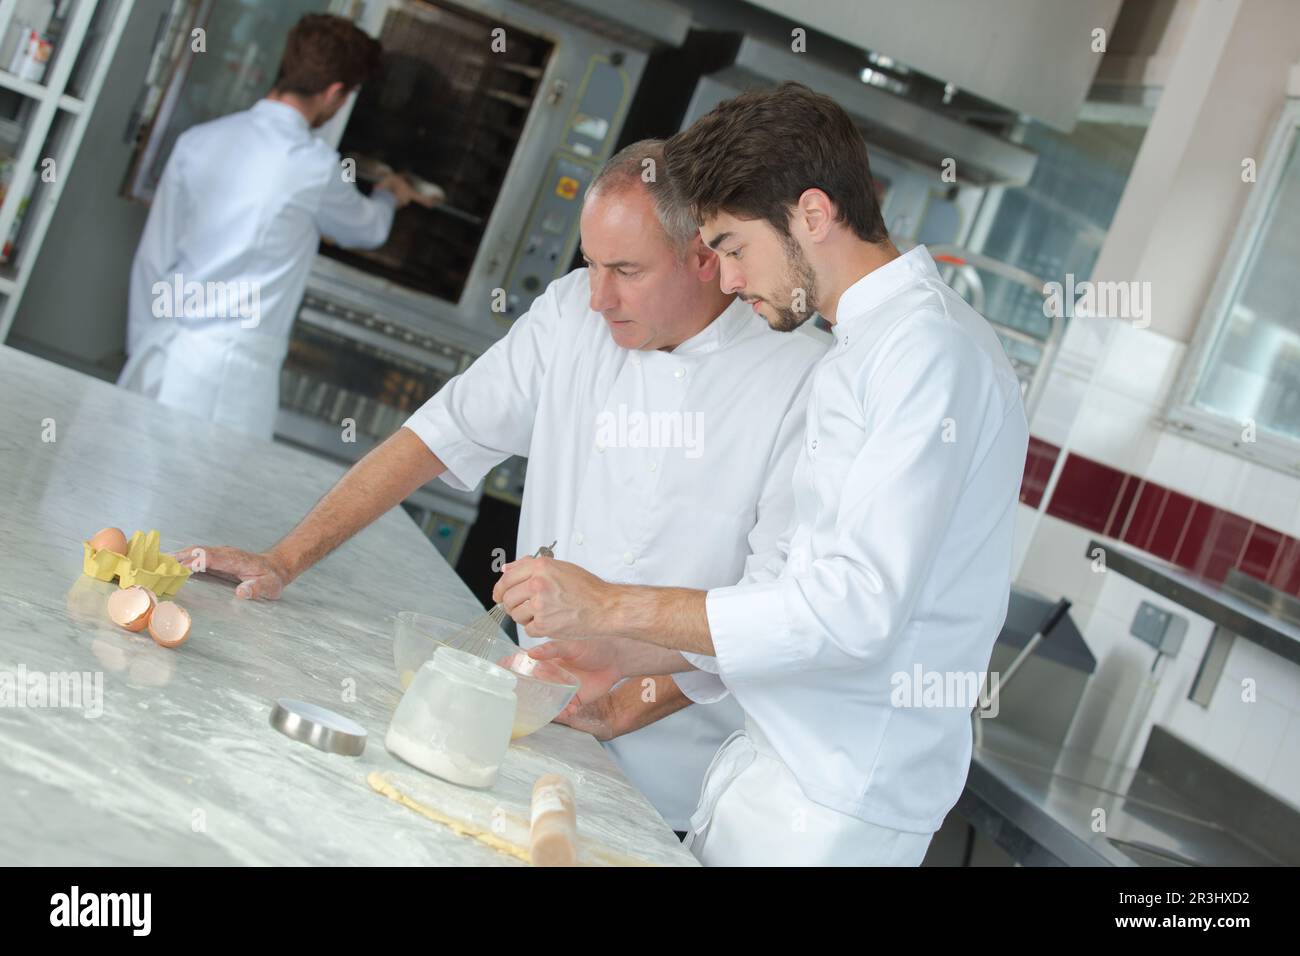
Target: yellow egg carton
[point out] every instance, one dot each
(143, 565)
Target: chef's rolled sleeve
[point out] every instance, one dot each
(701, 687)
(702, 662)
(488, 412)
(467, 461)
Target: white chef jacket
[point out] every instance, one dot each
(696, 511)
(905, 493)
(243, 199)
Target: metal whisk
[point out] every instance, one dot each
(481, 635)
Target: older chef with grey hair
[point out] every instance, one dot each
(661, 420)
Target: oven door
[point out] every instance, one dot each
(510, 109)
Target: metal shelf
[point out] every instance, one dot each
(39, 92)
(51, 99)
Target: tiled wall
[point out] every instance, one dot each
(1101, 464)
(1191, 533)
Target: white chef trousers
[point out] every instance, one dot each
(230, 376)
(752, 812)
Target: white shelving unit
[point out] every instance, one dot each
(52, 103)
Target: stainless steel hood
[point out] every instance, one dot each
(888, 121)
(1030, 56)
(640, 23)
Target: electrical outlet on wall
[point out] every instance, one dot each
(1163, 630)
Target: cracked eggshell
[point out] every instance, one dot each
(132, 607)
(169, 624)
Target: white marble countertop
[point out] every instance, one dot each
(182, 765)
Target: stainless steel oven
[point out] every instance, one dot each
(510, 106)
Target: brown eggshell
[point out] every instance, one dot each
(109, 539)
(169, 624)
(131, 607)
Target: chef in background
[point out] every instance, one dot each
(236, 220)
(642, 335)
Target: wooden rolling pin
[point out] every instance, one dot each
(553, 834)
(510, 842)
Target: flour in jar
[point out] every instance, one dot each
(448, 765)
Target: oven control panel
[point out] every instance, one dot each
(547, 243)
(551, 231)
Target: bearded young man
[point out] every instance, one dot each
(905, 493)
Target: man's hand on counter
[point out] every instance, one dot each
(259, 575)
(375, 484)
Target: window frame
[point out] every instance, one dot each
(1183, 415)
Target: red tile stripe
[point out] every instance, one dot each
(1207, 540)
(1039, 462)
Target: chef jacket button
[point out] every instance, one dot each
(654, 466)
(814, 444)
(680, 373)
(629, 557)
(579, 538)
(636, 360)
(600, 448)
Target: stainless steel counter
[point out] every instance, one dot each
(1225, 609)
(1050, 806)
(180, 764)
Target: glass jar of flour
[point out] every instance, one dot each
(454, 721)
